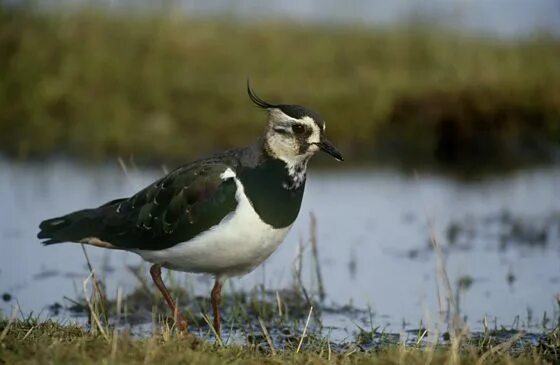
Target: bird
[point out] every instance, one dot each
(221, 215)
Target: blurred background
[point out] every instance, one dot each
(446, 111)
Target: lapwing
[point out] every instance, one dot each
(223, 215)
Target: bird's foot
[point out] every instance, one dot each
(190, 339)
(181, 324)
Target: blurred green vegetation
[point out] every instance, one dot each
(95, 83)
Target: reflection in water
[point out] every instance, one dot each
(372, 240)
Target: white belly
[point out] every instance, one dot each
(235, 246)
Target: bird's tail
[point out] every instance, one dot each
(72, 227)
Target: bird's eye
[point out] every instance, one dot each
(298, 128)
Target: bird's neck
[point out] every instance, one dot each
(275, 189)
(297, 172)
(296, 167)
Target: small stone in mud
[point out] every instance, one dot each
(510, 278)
(55, 308)
(45, 274)
(6, 297)
(453, 232)
(465, 282)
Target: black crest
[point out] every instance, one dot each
(292, 110)
(257, 100)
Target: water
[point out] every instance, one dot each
(372, 232)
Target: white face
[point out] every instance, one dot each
(291, 139)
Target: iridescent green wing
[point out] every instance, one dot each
(174, 209)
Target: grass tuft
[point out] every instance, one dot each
(31, 341)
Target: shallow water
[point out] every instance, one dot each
(503, 245)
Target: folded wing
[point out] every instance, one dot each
(174, 209)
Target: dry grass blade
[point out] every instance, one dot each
(28, 332)
(297, 277)
(122, 164)
(329, 349)
(315, 252)
(267, 337)
(457, 324)
(93, 313)
(297, 265)
(10, 323)
(211, 326)
(96, 285)
(304, 330)
(279, 304)
(421, 337)
(114, 345)
(126, 172)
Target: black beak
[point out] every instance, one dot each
(326, 146)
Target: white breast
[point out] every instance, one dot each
(235, 246)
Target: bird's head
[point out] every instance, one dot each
(294, 133)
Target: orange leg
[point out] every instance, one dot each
(216, 299)
(155, 271)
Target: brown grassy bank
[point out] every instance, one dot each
(160, 86)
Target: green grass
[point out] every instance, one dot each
(32, 342)
(160, 86)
